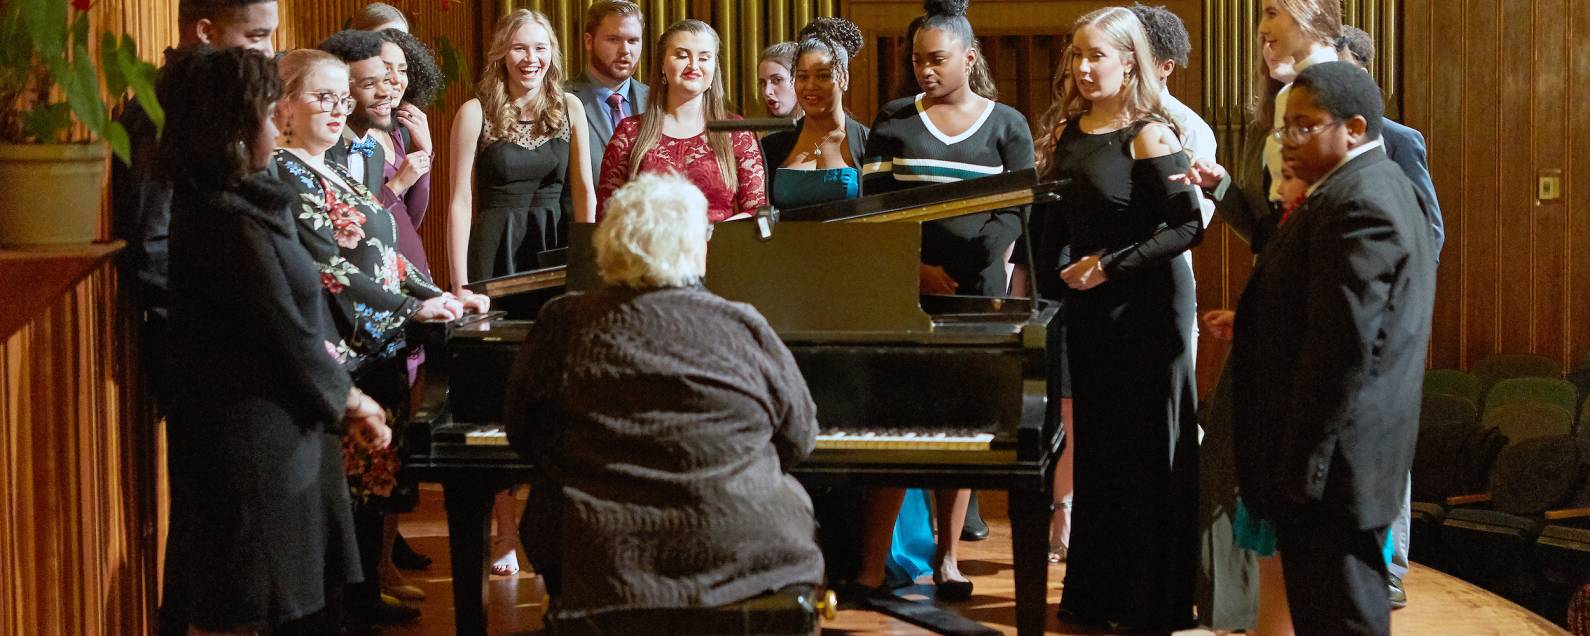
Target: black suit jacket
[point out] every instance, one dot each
(374, 165)
(1328, 356)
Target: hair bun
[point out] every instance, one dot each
(837, 32)
(948, 8)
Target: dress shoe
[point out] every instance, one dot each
(406, 558)
(1399, 596)
(975, 529)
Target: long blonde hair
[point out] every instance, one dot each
(547, 109)
(1320, 20)
(1123, 31)
(651, 121)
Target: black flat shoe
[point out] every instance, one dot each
(953, 590)
(975, 529)
(404, 556)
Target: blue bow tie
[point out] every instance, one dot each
(364, 147)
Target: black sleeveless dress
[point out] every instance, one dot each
(1133, 549)
(519, 180)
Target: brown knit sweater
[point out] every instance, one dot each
(663, 425)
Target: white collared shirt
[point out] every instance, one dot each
(1351, 154)
(356, 160)
(1272, 147)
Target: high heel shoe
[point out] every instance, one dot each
(1057, 546)
(404, 556)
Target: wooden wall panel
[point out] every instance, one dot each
(77, 474)
(1496, 106)
(1576, 168)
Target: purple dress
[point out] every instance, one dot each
(409, 209)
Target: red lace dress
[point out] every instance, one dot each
(692, 158)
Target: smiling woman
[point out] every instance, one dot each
(522, 142)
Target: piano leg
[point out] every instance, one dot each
(468, 506)
(1029, 538)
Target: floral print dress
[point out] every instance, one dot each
(372, 289)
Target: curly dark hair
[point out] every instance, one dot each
(215, 103)
(1167, 35)
(841, 39)
(425, 75)
(352, 46)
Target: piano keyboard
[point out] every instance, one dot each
(899, 439)
(491, 436)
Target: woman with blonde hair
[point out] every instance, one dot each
(671, 135)
(519, 144)
(374, 291)
(1129, 313)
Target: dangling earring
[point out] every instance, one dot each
(287, 132)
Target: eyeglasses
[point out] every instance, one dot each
(329, 101)
(1299, 134)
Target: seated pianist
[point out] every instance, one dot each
(663, 422)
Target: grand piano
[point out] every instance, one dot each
(912, 390)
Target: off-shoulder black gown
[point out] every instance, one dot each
(1133, 549)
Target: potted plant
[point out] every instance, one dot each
(55, 125)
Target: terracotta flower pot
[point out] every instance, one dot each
(51, 193)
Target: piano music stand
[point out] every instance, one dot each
(866, 275)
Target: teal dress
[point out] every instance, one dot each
(797, 188)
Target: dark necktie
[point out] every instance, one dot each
(614, 100)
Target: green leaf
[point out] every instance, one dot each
(46, 21)
(82, 91)
(120, 143)
(140, 75)
(46, 122)
(112, 60)
(80, 30)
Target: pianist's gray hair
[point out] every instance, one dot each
(654, 233)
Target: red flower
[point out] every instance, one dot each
(330, 283)
(82, 5)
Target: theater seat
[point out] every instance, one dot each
(1559, 393)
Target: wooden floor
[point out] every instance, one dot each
(1440, 604)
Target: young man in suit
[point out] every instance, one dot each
(1405, 146)
(609, 90)
(141, 199)
(1328, 355)
(372, 91)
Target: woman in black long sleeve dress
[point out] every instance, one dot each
(261, 536)
(1129, 312)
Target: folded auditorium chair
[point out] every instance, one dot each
(1452, 456)
(1502, 366)
(1560, 393)
(1453, 382)
(1525, 539)
(1528, 420)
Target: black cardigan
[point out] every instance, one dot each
(777, 146)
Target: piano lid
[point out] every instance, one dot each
(931, 202)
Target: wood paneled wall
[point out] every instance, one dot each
(1498, 88)
(78, 473)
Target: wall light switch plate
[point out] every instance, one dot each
(1549, 186)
